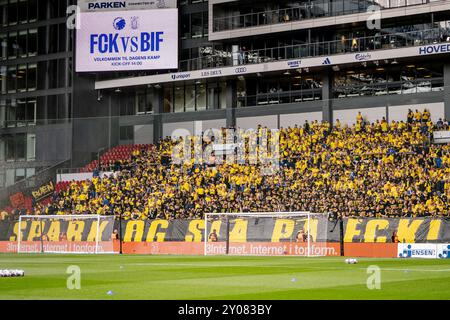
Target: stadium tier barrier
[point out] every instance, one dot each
(363, 237)
(362, 250)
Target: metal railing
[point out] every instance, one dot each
(30, 123)
(280, 97)
(307, 11)
(390, 87)
(354, 45)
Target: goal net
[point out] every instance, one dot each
(66, 234)
(271, 234)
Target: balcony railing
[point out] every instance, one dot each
(312, 10)
(377, 42)
(280, 97)
(390, 87)
(7, 124)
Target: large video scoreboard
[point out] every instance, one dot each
(126, 35)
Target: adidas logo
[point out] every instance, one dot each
(326, 61)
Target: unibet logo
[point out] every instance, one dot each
(181, 76)
(113, 43)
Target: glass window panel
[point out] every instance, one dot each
(2, 113)
(213, 96)
(22, 11)
(22, 77)
(12, 45)
(140, 102)
(21, 146)
(179, 99)
(338, 7)
(185, 27)
(31, 147)
(3, 46)
(10, 147)
(149, 100)
(12, 13)
(32, 10)
(190, 98)
(11, 79)
(3, 74)
(168, 100)
(197, 25)
(21, 112)
(30, 172)
(22, 43)
(32, 42)
(32, 77)
(201, 97)
(11, 112)
(20, 175)
(223, 95)
(205, 23)
(2, 149)
(31, 111)
(3, 12)
(10, 174)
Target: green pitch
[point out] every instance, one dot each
(218, 277)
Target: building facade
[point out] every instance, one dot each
(35, 87)
(241, 63)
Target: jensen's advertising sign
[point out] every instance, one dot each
(106, 5)
(424, 250)
(127, 40)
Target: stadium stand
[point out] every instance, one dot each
(368, 169)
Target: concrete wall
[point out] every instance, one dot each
(252, 122)
(399, 113)
(143, 134)
(290, 120)
(348, 116)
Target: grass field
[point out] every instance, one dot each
(222, 277)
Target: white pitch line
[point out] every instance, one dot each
(201, 265)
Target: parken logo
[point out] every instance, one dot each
(119, 23)
(106, 5)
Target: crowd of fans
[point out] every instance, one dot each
(375, 169)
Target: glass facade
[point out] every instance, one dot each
(298, 46)
(194, 97)
(35, 58)
(194, 25)
(239, 15)
(284, 88)
(391, 79)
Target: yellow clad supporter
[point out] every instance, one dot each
(378, 169)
